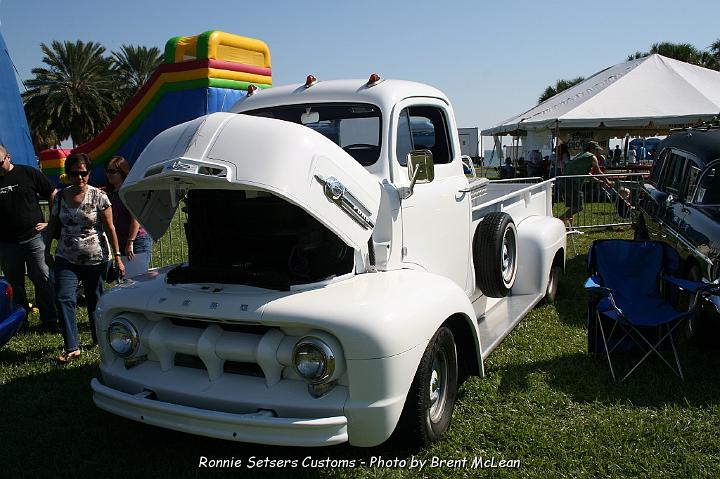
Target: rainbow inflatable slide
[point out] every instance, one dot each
(201, 74)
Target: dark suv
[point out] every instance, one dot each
(680, 203)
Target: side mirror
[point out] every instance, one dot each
(468, 166)
(420, 167)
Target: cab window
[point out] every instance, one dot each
(655, 175)
(423, 128)
(674, 174)
(693, 176)
(708, 190)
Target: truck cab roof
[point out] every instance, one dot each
(384, 93)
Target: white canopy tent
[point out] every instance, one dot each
(640, 97)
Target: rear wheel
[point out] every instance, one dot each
(431, 399)
(553, 283)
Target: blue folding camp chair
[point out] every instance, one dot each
(631, 297)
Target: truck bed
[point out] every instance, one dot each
(517, 199)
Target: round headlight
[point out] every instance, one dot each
(122, 337)
(313, 360)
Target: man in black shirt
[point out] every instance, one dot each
(21, 241)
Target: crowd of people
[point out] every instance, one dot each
(550, 166)
(98, 241)
(576, 170)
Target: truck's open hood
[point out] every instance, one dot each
(232, 151)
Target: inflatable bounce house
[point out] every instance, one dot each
(14, 132)
(201, 74)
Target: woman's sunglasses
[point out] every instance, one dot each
(111, 171)
(75, 174)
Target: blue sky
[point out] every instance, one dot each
(493, 59)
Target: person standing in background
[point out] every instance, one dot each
(582, 165)
(562, 157)
(632, 155)
(134, 242)
(84, 214)
(21, 235)
(522, 169)
(534, 163)
(507, 171)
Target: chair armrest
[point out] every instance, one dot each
(592, 286)
(687, 284)
(697, 288)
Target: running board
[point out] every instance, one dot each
(497, 323)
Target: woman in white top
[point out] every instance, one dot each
(632, 155)
(83, 214)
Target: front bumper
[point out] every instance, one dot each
(260, 427)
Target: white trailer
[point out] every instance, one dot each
(469, 142)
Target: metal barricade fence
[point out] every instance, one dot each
(169, 249)
(583, 201)
(596, 201)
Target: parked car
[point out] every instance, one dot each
(11, 315)
(680, 204)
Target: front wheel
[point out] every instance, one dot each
(431, 399)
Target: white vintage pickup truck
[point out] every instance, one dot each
(343, 277)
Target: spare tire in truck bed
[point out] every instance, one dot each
(495, 254)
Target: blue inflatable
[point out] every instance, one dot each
(14, 131)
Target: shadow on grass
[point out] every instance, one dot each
(571, 304)
(36, 341)
(53, 427)
(10, 356)
(587, 378)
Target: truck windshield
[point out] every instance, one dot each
(354, 127)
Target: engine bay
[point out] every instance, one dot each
(257, 239)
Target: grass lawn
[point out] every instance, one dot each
(544, 402)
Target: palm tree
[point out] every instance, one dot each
(42, 132)
(636, 55)
(133, 67)
(685, 52)
(560, 85)
(74, 96)
(715, 49)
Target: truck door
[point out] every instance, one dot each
(436, 217)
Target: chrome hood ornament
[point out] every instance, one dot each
(336, 192)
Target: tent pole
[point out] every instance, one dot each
(625, 149)
(481, 155)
